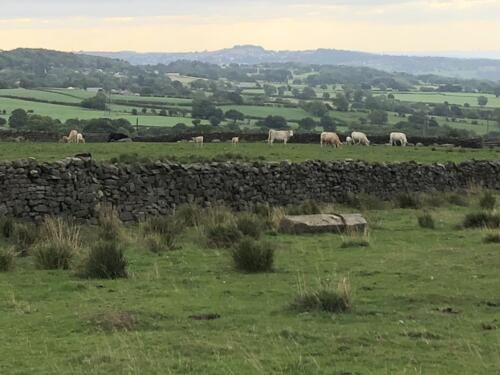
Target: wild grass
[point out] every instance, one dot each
(492, 238)
(487, 201)
(250, 225)
(354, 239)
(253, 256)
(110, 227)
(426, 220)
(482, 219)
(162, 233)
(326, 297)
(7, 259)
(223, 235)
(58, 244)
(105, 260)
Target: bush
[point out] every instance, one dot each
(365, 202)
(426, 220)
(249, 225)
(458, 200)
(190, 214)
(492, 238)
(60, 243)
(253, 256)
(482, 219)
(407, 200)
(106, 260)
(271, 216)
(326, 298)
(223, 236)
(24, 235)
(7, 260)
(109, 224)
(487, 201)
(7, 227)
(162, 233)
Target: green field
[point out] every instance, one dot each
(264, 111)
(246, 151)
(451, 98)
(423, 302)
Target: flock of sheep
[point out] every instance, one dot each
(73, 137)
(326, 138)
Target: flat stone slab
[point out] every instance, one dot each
(323, 223)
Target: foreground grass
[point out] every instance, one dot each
(250, 151)
(424, 302)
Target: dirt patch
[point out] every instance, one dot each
(209, 316)
(115, 321)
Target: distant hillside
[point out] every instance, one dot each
(445, 66)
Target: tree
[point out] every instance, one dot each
(328, 123)
(282, 90)
(18, 118)
(315, 108)
(204, 109)
(163, 112)
(134, 112)
(196, 122)
(341, 103)
(307, 124)
(378, 117)
(274, 122)
(95, 102)
(496, 91)
(269, 90)
(308, 93)
(326, 95)
(144, 111)
(3, 121)
(482, 100)
(180, 127)
(215, 120)
(234, 115)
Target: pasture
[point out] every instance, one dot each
(424, 301)
(187, 152)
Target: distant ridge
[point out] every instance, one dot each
(249, 54)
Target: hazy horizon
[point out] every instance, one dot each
(416, 27)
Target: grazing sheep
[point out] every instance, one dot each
(348, 141)
(235, 141)
(360, 138)
(64, 139)
(398, 138)
(79, 138)
(330, 138)
(198, 141)
(73, 136)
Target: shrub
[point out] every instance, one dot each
(253, 256)
(105, 260)
(223, 236)
(24, 235)
(217, 215)
(249, 225)
(7, 227)
(355, 239)
(162, 232)
(407, 200)
(7, 260)
(365, 201)
(271, 216)
(190, 214)
(482, 219)
(326, 298)
(426, 220)
(487, 201)
(109, 224)
(458, 200)
(492, 238)
(60, 243)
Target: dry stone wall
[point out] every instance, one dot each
(75, 187)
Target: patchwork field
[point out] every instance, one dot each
(245, 151)
(423, 301)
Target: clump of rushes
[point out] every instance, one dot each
(425, 220)
(253, 256)
(482, 220)
(325, 298)
(7, 260)
(110, 227)
(105, 260)
(223, 236)
(487, 201)
(250, 225)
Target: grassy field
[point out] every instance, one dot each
(452, 98)
(246, 151)
(423, 302)
(262, 111)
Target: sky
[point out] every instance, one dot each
(468, 27)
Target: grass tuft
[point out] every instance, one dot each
(408, 200)
(426, 220)
(250, 225)
(355, 239)
(487, 201)
(110, 227)
(7, 259)
(7, 227)
(162, 233)
(326, 298)
(60, 242)
(253, 256)
(24, 237)
(105, 260)
(223, 236)
(492, 238)
(481, 220)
